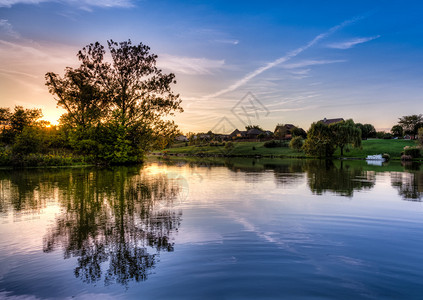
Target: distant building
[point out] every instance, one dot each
(181, 138)
(331, 121)
(253, 133)
(284, 131)
(237, 134)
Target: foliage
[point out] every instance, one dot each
(420, 137)
(296, 143)
(299, 132)
(274, 144)
(345, 133)
(248, 127)
(116, 111)
(397, 131)
(322, 140)
(386, 156)
(383, 135)
(29, 141)
(414, 152)
(229, 145)
(387, 136)
(319, 140)
(367, 130)
(411, 124)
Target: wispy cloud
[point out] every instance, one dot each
(311, 62)
(189, 65)
(7, 28)
(282, 59)
(228, 41)
(83, 4)
(352, 43)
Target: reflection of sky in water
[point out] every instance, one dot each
(250, 234)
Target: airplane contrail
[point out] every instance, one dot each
(282, 59)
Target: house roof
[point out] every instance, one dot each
(254, 131)
(235, 132)
(287, 126)
(331, 121)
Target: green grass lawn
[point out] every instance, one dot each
(369, 147)
(238, 149)
(376, 146)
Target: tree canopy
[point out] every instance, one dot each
(411, 124)
(367, 130)
(116, 110)
(248, 127)
(319, 140)
(322, 140)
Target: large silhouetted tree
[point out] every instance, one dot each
(128, 101)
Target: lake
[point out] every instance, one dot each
(215, 229)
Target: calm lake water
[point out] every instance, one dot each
(236, 229)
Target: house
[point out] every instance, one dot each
(284, 131)
(253, 133)
(181, 138)
(237, 134)
(331, 121)
(221, 137)
(202, 136)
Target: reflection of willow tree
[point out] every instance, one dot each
(286, 174)
(409, 185)
(115, 217)
(325, 176)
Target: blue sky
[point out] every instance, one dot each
(280, 61)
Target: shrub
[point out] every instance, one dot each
(229, 145)
(274, 144)
(380, 134)
(387, 136)
(420, 137)
(414, 152)
(296, 143)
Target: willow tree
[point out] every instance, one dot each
(345, 133)
(322, 140)
(319, 140)
(128, 100)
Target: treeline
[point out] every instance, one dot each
(115, 111)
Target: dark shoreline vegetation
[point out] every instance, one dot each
(117, 113)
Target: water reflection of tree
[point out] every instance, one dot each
(286, 174)
(115, 216)
(409, 185)
(324, 176)
(27, 191)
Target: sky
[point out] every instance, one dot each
(236, 63)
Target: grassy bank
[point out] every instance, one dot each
(238, 149)
(369, 147)
(376, 146)
(41, 160)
